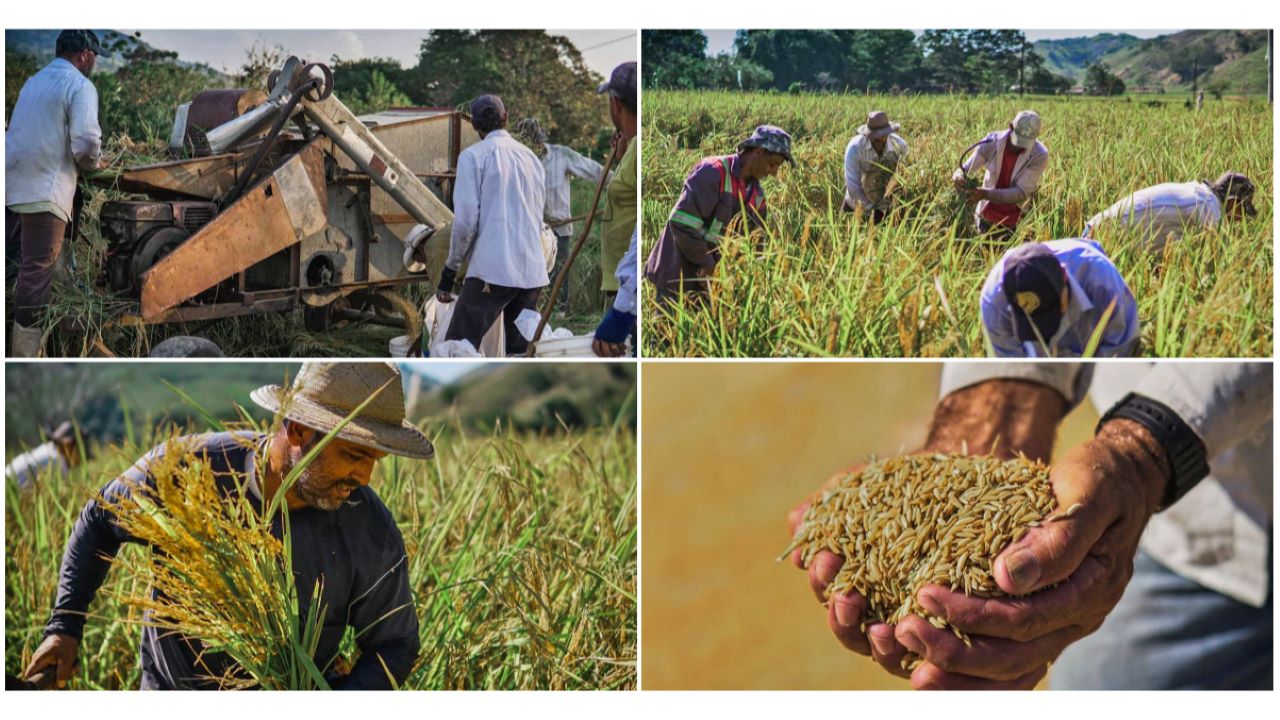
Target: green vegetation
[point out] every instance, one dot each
(522, 553)
(826, 283)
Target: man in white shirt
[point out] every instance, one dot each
(52, 134)
(1013, 162)
(498, 202)
(559, 163)
(1161, 213)
(54, 458)
(870, 162)
(1160, 580)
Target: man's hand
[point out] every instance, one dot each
(844, 612)
(57, 652)
(1077, 567)
(603, 348)
(444, 296)
(959, 180)
(448, 279)
(975, 194)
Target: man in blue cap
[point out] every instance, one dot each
(718, 190)
(497, 231)
(52, 135)
(1048, 300)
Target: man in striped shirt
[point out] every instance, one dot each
(1162, 213)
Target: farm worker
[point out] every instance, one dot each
(1199, 99)
(1047, 299)
(52, 135)
(497, 224)
(870, 161)
(340, 528)
(716, 192)
(559, 163)
(621, 197)
(619, 322)
(1161, 580)
(57, 455)
(1012, 162)
(1160, 213)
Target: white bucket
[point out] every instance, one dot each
(576, 346)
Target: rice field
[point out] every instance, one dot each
(827, 284)
(522, 559)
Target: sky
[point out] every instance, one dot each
(445, 372)
(225, 49)
(719, 41)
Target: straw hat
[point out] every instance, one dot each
(324, 393)
(878, 125)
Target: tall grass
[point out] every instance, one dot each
(522, 553)
(826, 283)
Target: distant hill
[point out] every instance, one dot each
(535, 396)
(1234, 59)
(40, 45)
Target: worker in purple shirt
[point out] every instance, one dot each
(1048, 300)
(341, 531)
(717, 191)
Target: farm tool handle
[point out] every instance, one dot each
(573, 254)
(970, 149)
(43, 679)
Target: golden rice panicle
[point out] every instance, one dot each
(914, 520)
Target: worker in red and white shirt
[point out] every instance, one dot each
(1013, 161)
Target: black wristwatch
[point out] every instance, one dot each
(1185, 450)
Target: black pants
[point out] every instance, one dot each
(480, 304)
(34, 240)
(873, 215)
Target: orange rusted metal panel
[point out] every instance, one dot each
(279, 211)
(207, 177)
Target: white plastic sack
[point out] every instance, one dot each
(435, 320)
(455, 349)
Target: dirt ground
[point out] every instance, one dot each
(728, 449)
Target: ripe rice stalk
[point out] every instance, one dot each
(913, 520)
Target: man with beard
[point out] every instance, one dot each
(341, 531)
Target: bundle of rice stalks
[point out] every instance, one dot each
(914, 520)
(220, 575)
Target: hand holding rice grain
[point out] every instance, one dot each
(914, 520)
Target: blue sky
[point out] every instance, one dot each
(445, 372)
(225, 49)
(719, 41)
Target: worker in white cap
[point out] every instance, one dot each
(1013, 161)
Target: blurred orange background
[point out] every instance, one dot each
(728, 449)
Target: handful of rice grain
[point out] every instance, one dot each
(913, 520)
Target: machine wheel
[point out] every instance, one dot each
(153, 249)
(186, 346)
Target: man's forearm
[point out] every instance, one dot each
(85, 564)
(1004, 416)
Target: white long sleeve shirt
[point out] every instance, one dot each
(1160, 213)
(867, 172)
(1027, 171)
(625, 302)
(560, 163)
(497, 208)
(53, 131)
(1217, 534)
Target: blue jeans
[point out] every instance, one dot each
(1170, 633)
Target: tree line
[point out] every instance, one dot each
(971, 61)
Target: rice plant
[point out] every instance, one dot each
(521, 547)
(826, 283)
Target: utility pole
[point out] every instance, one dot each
(1270, 59)
(1195, 76)
(1022, 64)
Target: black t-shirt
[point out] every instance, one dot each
(357, 550)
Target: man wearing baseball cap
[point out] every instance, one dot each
(621, 197)
(1048, 300)
(870, 161)
(1161, 213)
(498, 201)
(340, 529)
(1013, 161)
(717, 191)
(52, 135)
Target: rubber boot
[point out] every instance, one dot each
(27, 342)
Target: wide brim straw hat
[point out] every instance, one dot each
(878, 125)
(325, 393)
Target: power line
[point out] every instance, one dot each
(609, 42)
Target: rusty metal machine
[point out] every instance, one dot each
(283, 199)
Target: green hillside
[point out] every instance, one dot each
(535, 396)
(1231, 60)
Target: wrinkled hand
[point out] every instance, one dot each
(1118, 478)
(59, 652)
(604, 348)
(844, 612)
